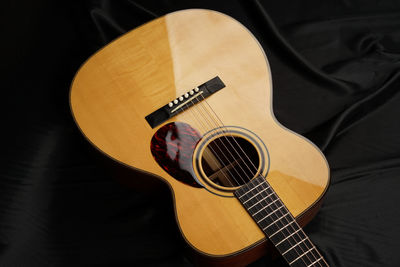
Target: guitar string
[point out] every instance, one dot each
(205, 128)
(215, 161)
(307, 247)
(269, 198)
(297, 243)
(318, 252)
(224, 127)
(223, 164)
(247, 177)
(276, 224)
(224, 136)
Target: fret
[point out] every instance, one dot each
(294, 259)
(299, 257)
(264, 194)
(249, 191)
(244, 203)
(272, 223)
(268, 215)
(240, 192)
(314, 262)
(281, 229)
(297, 243)
(266, 198)
(256, 195)
(287, 237)
(253, 182)
(292, 247)
(308, 252)
(263, 208)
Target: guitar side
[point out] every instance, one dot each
(146, 68)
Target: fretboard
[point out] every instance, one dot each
(278, 224)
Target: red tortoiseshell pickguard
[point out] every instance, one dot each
(172, 147)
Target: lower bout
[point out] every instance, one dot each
(252, 253)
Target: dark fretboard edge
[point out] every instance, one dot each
(278, 224)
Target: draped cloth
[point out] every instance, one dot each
(336, 77)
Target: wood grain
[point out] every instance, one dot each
(148, 67)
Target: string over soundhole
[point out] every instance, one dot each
(228, 157)
(230, 161)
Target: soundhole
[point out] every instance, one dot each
(230, 161)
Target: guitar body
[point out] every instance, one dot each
(137, 74)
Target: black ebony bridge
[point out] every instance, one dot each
(185, 101)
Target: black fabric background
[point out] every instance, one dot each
(335, 68)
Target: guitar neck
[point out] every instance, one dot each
(278, 224)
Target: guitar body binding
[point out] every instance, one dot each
(141, 71)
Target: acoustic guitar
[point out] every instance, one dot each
(187, 98)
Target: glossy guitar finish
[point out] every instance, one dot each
(152, 65)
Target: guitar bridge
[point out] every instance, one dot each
(185, 101)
